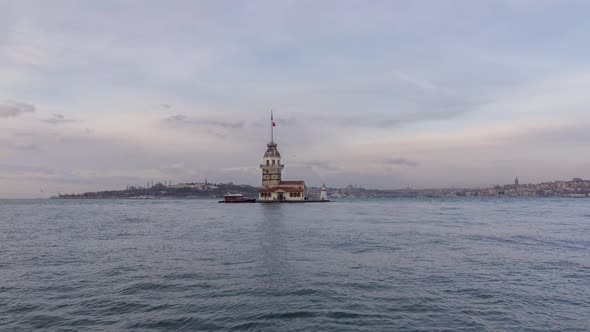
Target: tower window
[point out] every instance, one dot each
(267, 162)
(273, 162)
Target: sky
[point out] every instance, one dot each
(99, 95)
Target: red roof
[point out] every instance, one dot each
(293, 182)
(285, 189)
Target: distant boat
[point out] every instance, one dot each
(237, 198)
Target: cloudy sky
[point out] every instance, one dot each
(384, 94)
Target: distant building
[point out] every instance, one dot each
(273, 187)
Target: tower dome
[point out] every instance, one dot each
(271, 151)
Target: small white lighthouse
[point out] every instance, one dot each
(323, 193)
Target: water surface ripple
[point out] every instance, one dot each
(359, 265)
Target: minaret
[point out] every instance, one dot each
(271, 161)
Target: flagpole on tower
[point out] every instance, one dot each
(272, 124)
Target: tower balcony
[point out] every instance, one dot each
(281, 166)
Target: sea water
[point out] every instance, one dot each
(354, 265)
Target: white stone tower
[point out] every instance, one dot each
(271, 161)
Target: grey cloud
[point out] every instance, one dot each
(25, 134)
(324, 165)
(91, 181)
(286, 122)
(177, 170)
(216, 134)
(21, 169)
(185, 120)
(396, 119)
(390, 102)
(572, 134)
(27, 147)
(12, 109)
(56, 119)
(18, 145)
(399, 161)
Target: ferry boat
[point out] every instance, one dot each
(237, 198)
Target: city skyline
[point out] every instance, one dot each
(385, 94)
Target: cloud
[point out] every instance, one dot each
(178, 169)
(216, 134)
(44, 176)
(553, 134)
(18, 146)
(26, 134)
(323, 165)
(24, 170)
(399, 161)
(285, 121)
(13, 108)
(399, 115)
(26, 147)
(186, 120)
(57, 119)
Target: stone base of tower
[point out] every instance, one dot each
(294, 202)
(285, 191)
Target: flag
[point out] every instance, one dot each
(274, 124)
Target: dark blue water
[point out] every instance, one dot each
(370, 265)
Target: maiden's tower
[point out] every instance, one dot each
(273, 187)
